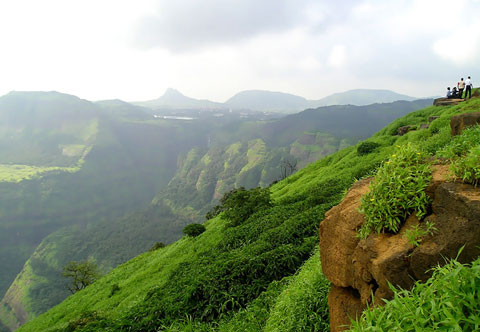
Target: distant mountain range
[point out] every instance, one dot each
(270, 101)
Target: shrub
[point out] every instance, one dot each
(467, 168)
(239, 204)
(194, 230)
(157, 245)
(397, 191)
(367, 147)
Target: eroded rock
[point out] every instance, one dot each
(446, 101)
(364, 268)
(405, 129)
(461, 121)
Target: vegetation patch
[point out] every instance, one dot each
(397, 191)
(367, 147)
(194, 230)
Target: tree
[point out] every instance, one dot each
(80, 274)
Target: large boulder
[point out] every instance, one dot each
(461, 121)
(361, 270)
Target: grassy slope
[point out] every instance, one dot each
(146, 281)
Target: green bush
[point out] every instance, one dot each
(449, 301)
(194, 230)
(467, 168)
(397, 191)
(158, 245)
(239, 204)
(367, 147)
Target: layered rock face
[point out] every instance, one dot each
(361, 270)
(461, 121)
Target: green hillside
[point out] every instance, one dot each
(255, 268)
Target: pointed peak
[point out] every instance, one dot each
(172, 92)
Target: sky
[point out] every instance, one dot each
(212, 49)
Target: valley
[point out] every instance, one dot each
(107, 180)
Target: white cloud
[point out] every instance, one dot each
(214, 48)
(460, 47)
(338, 56)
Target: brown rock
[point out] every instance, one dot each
(363, 268)
(432, 118)
(461, 121)
(338, 236)
(405, 129)
(476, 93)
(446, 101)
(424, 126)
(344, 304)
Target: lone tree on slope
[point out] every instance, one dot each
(80, 274)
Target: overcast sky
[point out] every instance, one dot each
(212, 49)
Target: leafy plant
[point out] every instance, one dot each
(397, 191)
(194, 230)
(416, 234)
(367, 147)
(467, 167)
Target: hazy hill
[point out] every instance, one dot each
(255, 268)
(45, 128)
(361, 97)
(271, 101)
(262, 100)
(119, 108)
(174, 99)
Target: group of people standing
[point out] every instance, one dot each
(457, 92)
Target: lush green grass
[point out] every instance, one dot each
(449, 301)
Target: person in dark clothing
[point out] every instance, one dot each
(454, 92)
(468, 88)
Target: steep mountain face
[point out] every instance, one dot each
(133, 159)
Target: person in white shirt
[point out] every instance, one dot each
(468, 87)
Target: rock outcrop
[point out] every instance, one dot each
(447, 101)
(405, 129)
(461, 121)
(361, 270)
